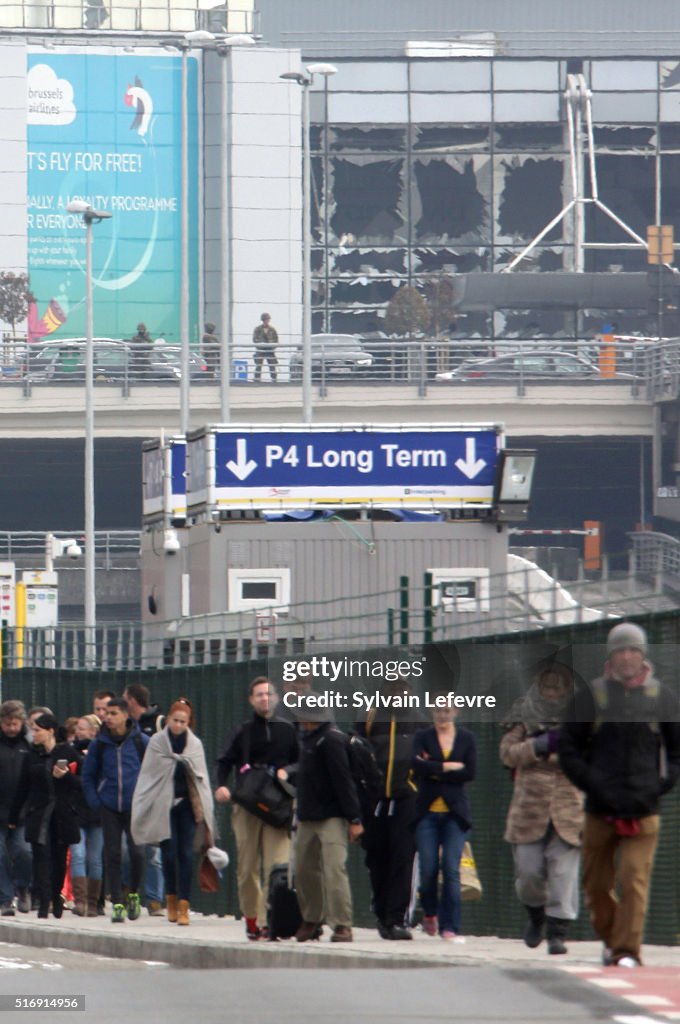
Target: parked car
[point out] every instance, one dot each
(333, 355)
(113, 362)
(536, 365)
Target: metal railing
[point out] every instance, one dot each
(657, 555)
(522, 599)
(648, 370)
(29, 545)
(129, 16)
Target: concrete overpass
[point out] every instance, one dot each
(607, 409)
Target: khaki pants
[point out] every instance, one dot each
(616, 876)
(258, 846)
(321, 872)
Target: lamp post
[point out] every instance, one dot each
(305, 81)
(90, 216)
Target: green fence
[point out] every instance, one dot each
(218, 693)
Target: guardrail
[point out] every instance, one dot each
(648, 370)
(525, 598)
(30, 545)
(657, 555)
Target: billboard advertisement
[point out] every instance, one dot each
(106, 127)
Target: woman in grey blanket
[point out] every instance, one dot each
(172, 804)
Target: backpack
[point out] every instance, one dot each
(364, 769)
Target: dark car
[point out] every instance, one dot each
(535, 364)
(113, 362)
(333, 355)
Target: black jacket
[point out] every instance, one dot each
(614, 753)
(325, 787)
(13, 752)
(151, 721)
(262, 741)
(392, 741)
(50, 803)
(433, 781)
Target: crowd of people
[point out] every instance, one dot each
(124, 793)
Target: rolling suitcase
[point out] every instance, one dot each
(283, 912)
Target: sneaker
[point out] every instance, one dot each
(134, 906)
(430, 925)
(7, 909)
(627, 961)
(23, 901)
(118, 914)
(453, 937)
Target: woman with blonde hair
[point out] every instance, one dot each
(172, 804)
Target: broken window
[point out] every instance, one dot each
(452, 203)
(610, 136)
(525, 324)
(626, 186)
(528, 196)
(452, 261)
(538, 258)
(449, 138)
(368, 199)
(359, 138)
(527, 137)
(364, 291)
(357, 321)
(367, 261)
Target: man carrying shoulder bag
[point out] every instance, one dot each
(261, 751)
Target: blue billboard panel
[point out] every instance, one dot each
(335, 467)
(107, 128)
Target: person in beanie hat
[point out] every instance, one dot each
(621, 746)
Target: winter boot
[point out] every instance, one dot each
(93, 891)
(182, 911)
(171, 906)
(556, 933)
(533, 933)
(79, 886)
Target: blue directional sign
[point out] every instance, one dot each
(296, 467)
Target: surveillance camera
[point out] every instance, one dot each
(171, 544)
(73, 550)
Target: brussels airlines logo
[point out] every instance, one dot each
(137, 97)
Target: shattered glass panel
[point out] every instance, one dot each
(366, 261)
(623, 321)
(531, 106)
(359, 138)
(669, 74)
(364, 290)
(452, 261)
(527, 137)
(609, 136)
(450, 138)
(451, 199)
(473, 325)
(669, 135)
(670, 189)
(616, 260)
(316, 204)
(357, 321)
(540, 258)
(626, 186)
(528, 324)
(368, 203)
(317, 260)
(527, 195)
(624, 106)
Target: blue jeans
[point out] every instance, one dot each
(87, 856)
(440, 838)
(177, 851)
(16, 862)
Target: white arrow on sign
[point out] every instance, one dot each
(243, 466)
(471, 466)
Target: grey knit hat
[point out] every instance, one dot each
(626, 634)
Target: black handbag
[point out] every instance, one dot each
(258, 791)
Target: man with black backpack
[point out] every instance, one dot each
(329, 816)
(621, 746)
(109, 777)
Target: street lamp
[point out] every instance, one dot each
(90, 216)
(305, 81)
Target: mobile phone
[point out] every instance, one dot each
(62, 763)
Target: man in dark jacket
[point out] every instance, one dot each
(329, 815)
(110, 773)
(621, 746)
(264, 740)
(15, 852)
(389, 839)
